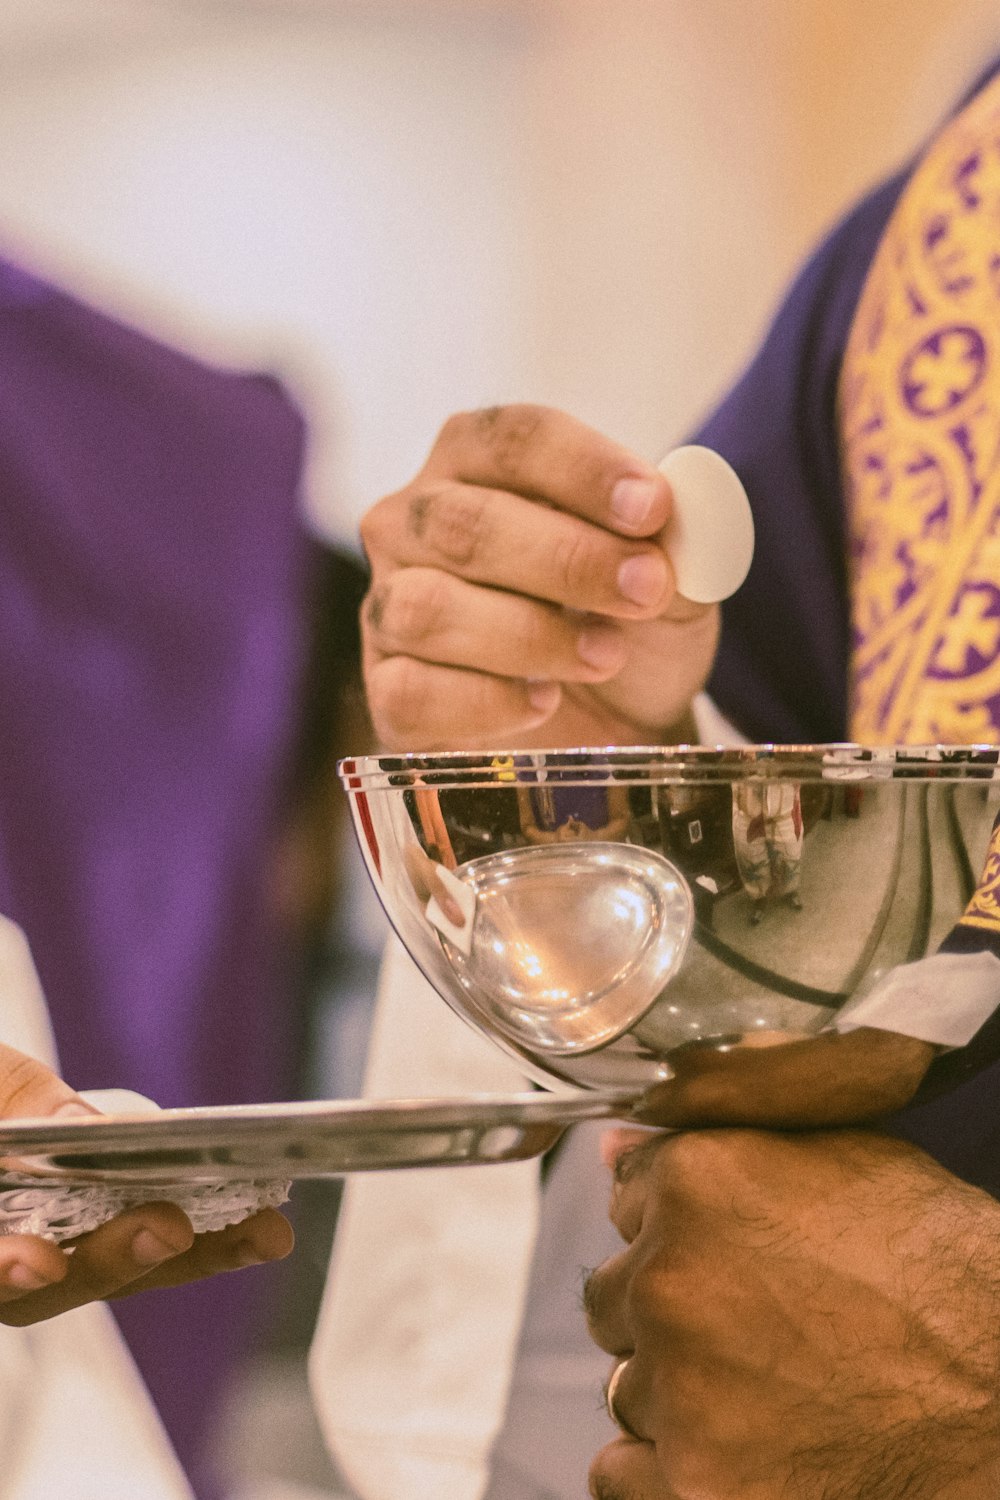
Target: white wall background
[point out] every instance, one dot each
(411, 206)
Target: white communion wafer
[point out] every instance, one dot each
(709, 538)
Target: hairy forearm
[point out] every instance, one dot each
(937, 1460)
(849, 1344)
(983, 1484)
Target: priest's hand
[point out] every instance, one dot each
(150, 1246)
(520, 594)
(800, 1317)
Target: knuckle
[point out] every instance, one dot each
(574, 562)
(453, 426)
(373, 610)
(699, 1158)
(656, 1292)
(421, 602)
(593, 472)
(398, 699)
(594, 1295)
(694, 1469)
(408, 609)
(634, 1162)
(454, 429)
(507, 432)
(379, 526)
(532, 641)
(450, 520)
(368, 530)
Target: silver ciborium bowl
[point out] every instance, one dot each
(793, 932)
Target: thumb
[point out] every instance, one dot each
(29, 1088)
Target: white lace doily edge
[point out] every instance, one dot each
(60, 1214)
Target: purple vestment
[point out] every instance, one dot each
(781, 674)
(151, 647)
(782, 668)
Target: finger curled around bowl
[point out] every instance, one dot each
(830, 1079)
(605, 1305)
(619, 1139)
(614, 1394)
(627, 1469)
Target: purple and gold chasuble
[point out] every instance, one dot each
(151, 640)
(871, 610)
(920, 426)
(867, 432)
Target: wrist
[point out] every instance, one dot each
(906, 1466)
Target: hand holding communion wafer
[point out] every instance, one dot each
(537, 583)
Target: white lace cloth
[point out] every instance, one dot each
(60, 1213)
(74, 1417)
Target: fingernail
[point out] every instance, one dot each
(543, 696)
(148, 1249)
(25, 1278)
(74, 1109)
(608, 1148)
(600, 647)
(643, 579)
(632, 500)
(247, 1254)
(616, 1140)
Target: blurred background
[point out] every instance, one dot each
(412, 206)
(405, 207)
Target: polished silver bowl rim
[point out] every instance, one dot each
(665, 765)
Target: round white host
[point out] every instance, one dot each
(710, 537)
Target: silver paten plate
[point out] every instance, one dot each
(295, 1141)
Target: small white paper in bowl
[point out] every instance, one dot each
(465, 899)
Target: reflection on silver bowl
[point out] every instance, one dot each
(571, 942)
(622, 907)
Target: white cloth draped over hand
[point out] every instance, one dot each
(411, 1360)
(75, 1420)
(413, 1354)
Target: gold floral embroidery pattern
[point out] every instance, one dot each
(919, 407)
(984, 908)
